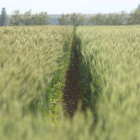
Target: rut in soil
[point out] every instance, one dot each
(72, 90)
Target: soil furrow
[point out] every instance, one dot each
(72, 90)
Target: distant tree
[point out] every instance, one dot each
(3, 17)
(40, 19)
(64, 19)
(98, 19)
(134, 17)
(110, 19)
(16, 18)
(114, 19)
(77, 19)
(124, 17)
(0, 20)
(139, 6)
(27, 18)
(72, 19)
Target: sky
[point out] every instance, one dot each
(70, 6)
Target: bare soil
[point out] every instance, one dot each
(72, 90)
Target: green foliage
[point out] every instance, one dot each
(33, 63)
(16, 18)
(28, 18)
(139, 6)
(40, 19)
(3, 17)
(30, 59)
(64, 20)
(134, 17)
(109, 19)
(37, 127)
(72, 19)
(112, 56)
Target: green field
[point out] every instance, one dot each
(111, 56)
(33, 67)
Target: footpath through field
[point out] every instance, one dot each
(72, 90)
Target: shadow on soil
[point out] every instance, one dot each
(80, 79)
(72, 90)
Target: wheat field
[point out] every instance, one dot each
(34, 61)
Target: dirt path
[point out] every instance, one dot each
(72, 90)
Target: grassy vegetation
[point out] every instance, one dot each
(31, 58)
(111, 57)
(33, 64)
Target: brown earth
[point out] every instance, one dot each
(72, 90)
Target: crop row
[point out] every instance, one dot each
(33, 64)
(110, 65)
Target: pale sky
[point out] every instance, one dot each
(69, 6)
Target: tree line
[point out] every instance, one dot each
(28, 18)
(121, 18)
(76, 19)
